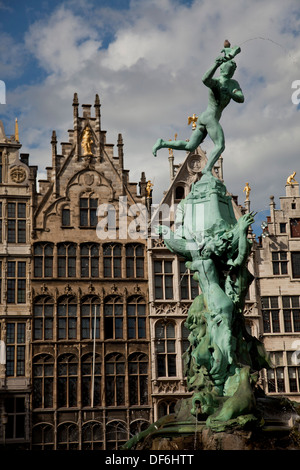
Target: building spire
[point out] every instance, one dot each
(16, 130)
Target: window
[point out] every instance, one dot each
(90, 311)
(276, 376)
(43, 318)
(67, 436)
(113, 318)
(89, 259)
(65, 217)
(66, 260)
(138, 379)
(1, 175)
(43, 380)
(88, 208)
(43, 437)
(136, 318)
(282, 227)
(16, 413)
(16, 282)
(165, 349)
(295, 257)
(179, 192)
(91, 368)
(112, 260)
(279, 262)
(67, 381)
(185, 344)
(92, 436)
(135, 261)
(15, 349)
(189, 288)
(138, 426)
(163, 278)
(16, 222)
(115, 380)
(67, 317)
(293, 373)
(166, 408)
(116, 435)
(43, 259)
(291, 313)
(295, 227)
(270, 314)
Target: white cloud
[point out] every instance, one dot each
(149, 82)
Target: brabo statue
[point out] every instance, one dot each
(223, 359)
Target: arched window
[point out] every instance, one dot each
(165, 349)
(67, 317)
(43, 437)
(116, 435)
(112, 260)
(91, 380)
(67, 381)
(92, 436)
(89, 260)
(135, 257)
(43, 318)
(136, 317)
(43, 259)
(43, 380)
(138, 426)
(67, 436)
(166, 407)
(88, 211)
(138, 379)
(66, 260)
(115, 380)
(90, 311)
(113, 317)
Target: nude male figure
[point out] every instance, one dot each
(221, 90)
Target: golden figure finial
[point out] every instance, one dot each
(86, 141)
(193, 119)
(247, 190)
(171, 150)
(291, 179)
(149, 188)
(16, 130)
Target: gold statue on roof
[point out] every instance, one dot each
(87, 141)
(193, 119)
(247, 190)
(149, 188)
(291, 179)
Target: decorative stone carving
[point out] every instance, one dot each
(18, 174)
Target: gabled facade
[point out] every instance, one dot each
(90, 332)
(277, 261)
(17, 189)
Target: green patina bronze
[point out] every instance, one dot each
(223, 359)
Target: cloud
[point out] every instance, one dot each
(146, 62)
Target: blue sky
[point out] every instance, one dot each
(145, 58)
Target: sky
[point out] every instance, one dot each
(146, 59)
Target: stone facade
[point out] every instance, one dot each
(17, 189)
(277, 262)
(93, 304)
